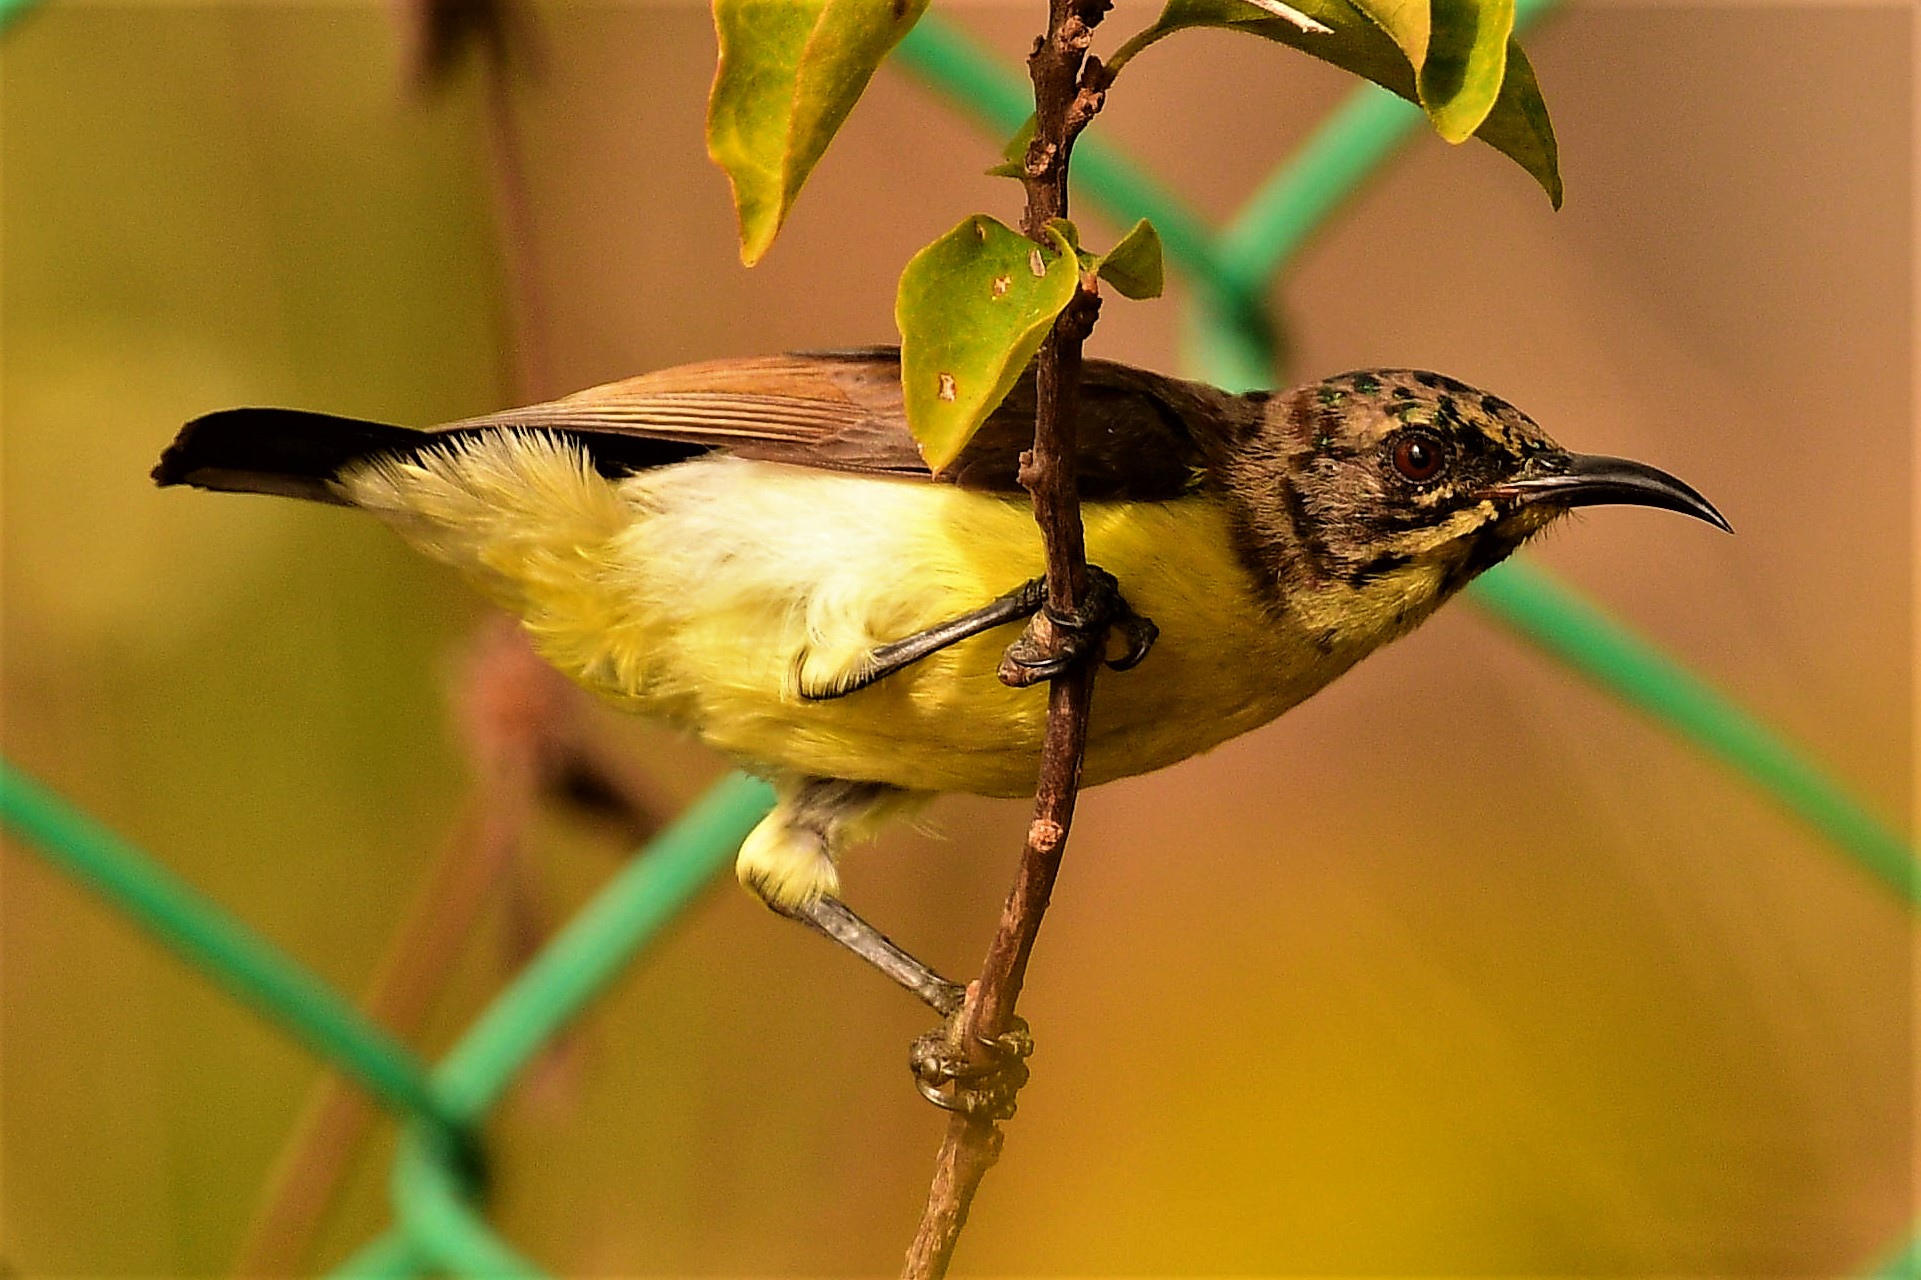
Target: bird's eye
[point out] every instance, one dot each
(1418, 457)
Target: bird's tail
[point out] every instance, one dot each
(289, 452)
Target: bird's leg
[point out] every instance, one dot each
(1105, 608)
(788, 862)
(838, 921)
(884, 660)
(982, 1085)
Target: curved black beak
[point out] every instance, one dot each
(1590, 479)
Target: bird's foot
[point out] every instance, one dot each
(980, 1084)
(1054, 642)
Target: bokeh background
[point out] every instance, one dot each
(1459, 969)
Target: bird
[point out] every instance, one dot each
(755, 552)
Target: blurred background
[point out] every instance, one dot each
(1461, 968)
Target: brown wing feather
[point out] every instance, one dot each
(1142, 435)
(773, 408)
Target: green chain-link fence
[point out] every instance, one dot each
(437, 1219)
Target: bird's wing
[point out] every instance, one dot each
(1142, 435)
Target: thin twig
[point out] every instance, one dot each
(525, 728)
(529, 325)
(1069, 87)
(320, 1150)
(441, 36)
(529, 735)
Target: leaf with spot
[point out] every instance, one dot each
(790, 71)
(973, 308)
(1456, 59)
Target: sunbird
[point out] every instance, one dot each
(754, 551)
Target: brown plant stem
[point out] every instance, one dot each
(529, 324)
(440, 37)
(320, 1150)
(517, 751)
(1069, 87)
(530, 738)
(525, 728)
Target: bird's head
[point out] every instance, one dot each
(1390, 475)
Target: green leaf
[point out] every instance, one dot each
(1014, 155)
(790, 71)
(1518, 126)
(973, 308)
(1455, 59)
(1065, 228)
(1133, 266)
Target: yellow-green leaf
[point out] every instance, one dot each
(973, 308)
(1453, 58)
(1133, 266)
(1460, 78)
(1405, 22)
(1457, 50)
(790, 71)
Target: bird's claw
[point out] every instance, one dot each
(1053, 642)
(1140, 634)
(980, 1089)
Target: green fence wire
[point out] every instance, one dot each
(247, 964)
(434, 1177)
(438, 1226)
(1586, 639)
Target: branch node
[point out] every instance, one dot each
(1045, 834)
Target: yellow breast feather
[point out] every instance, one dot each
(701, 592)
